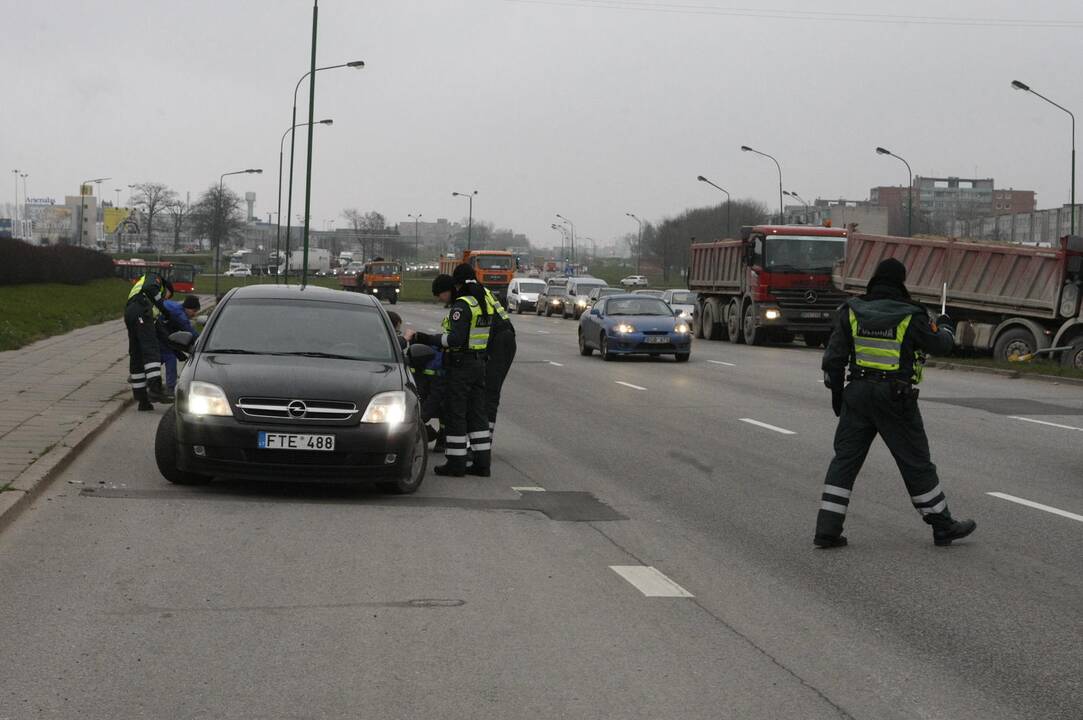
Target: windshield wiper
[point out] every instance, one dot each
(233, 351)
(314, 354)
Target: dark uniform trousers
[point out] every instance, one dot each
(464, 399)
(868, 410)
(144, 355)
(501, 355)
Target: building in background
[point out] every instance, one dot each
(869, 217)
(432, 237)
(941, 202)
(1039, 227)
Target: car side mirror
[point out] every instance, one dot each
(420, 354)
(182, 340)
(595, 311)
(676, 313)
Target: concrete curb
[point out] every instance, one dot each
(29, 485)
(1011, 374)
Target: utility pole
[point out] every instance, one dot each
(417, 219)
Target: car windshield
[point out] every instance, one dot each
(531, 287)
(585, 288)
(638, 306)
(384, 269)
(494, 262)
(300, 327)
(683, 298)
(650, 293)
(805, 254)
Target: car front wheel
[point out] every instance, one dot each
(584, 349)
(419, 463)
(165, 453)
(603, 348)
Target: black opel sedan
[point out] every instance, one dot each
(294, 383)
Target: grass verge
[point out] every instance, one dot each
(36, 311)
(1035, 367)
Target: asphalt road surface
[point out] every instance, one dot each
(642, 550)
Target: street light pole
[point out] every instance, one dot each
(15, 208)
(470, 216)
(219, 221)
(729, 225)
(1026, 88)
(563, 238)
(746, 148)
(417, 219)
(278, 213)
(798, 198)
(293, 126)
(575, 257)
(909, 190)
(639, 241)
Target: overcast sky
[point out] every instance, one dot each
(543, 107)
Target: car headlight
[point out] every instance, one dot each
(624, 329)
(387, 407)
(398, 290)
(555, 301)
(207, 399)
(581, 303)
(772, 314)
(681, 328)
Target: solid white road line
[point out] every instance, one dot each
(556, 364)
(649, 581)
(777, 429)
(543, 332)
(634, 387)
(1036, 506)
(1044, 422)
(720, 362)
(528, 488)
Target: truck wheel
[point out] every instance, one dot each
(1017, 341)
(697, 321)
(708, 321)
(1073, 358)
(733, 323)
(165, 453)
(754, 335)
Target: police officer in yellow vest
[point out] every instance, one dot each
(465, 340)
(502, 346)
(883, 337)
(144, 355)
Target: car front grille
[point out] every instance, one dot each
(300, 410)
(800, 299)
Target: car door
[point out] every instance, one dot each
(513, 295)
(591, 323)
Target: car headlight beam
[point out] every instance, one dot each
(681, 328)
(207, 399)
(772, 314)
(624, 328)
(388, 408)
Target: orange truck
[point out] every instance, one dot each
(494, 268)
(381, 278)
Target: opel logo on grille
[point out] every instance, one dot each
(297, 409)
(811, 297)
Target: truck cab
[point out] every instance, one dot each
(494, 269)
(382, 278)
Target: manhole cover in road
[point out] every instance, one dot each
(560, 506)
(1010, 406)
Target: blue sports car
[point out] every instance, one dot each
(633, 325)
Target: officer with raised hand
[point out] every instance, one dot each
(502, 345)
(883, 337)
(465, 340)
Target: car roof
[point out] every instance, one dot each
(308, 292)
(628, 296)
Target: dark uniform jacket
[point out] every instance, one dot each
(881, 308)
(458, 336)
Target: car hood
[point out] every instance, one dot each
(643, 323)
(529, 297)
(293, 377)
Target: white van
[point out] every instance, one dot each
(523, 294)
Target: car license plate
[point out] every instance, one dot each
(656, 339)
(289, 441)
(815, 314)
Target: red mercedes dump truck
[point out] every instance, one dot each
(494, 268)
(381, 278)
(1008, 298)
(772, 284)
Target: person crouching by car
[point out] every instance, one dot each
(177, 317)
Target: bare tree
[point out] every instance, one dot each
(178, 211)
(217, 215)
(152, 198)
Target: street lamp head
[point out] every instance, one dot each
(328, 121)
(746, 148)
(1020, 86)
(882, 151)
(356, 64)
(256, 171)
(701, 178)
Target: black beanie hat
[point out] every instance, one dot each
(190, 303)
(889, 272)
(462, 273)
(442, 283)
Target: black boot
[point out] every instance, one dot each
(157, 393)
(827, 542)
(946, 528)
(451, 468)
(140, 395)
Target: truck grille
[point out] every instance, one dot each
(300, 410)
(809, 299)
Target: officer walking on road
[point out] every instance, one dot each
(465, 340)
(883, 337)
(502, 345)
(144, 356)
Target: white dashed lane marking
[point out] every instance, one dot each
(528, 488)
(1045, 422)
(1036, 505)
(721, 362)
(649, 581)
(556, 364)
(629, 385)
(764, 425)
(543, 332)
